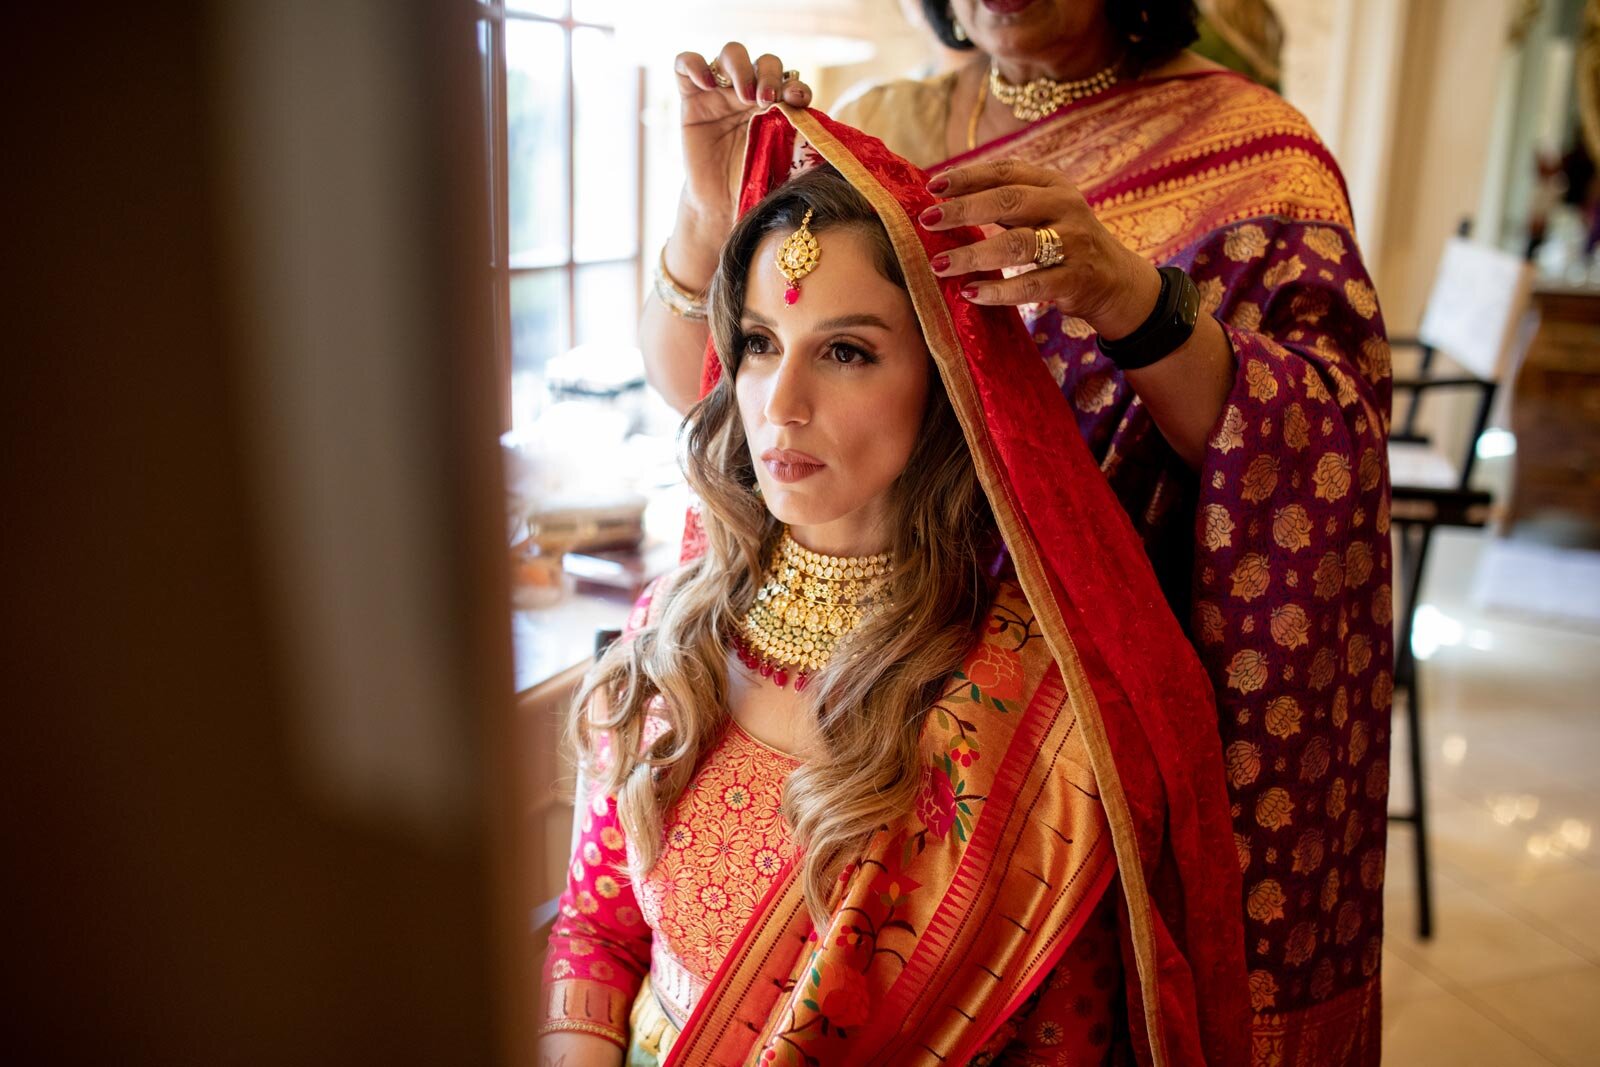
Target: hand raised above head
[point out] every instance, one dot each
(719, 96)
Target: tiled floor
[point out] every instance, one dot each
(1512, 738)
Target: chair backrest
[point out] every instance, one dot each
(1479, 297)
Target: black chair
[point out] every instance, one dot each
(1478, 301)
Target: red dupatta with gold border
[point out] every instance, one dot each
(1109, 674)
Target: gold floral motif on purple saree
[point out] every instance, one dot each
(1278, 550)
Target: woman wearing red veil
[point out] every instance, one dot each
(1251, 459)
(868, 789)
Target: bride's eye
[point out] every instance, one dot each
(754, 344)
(850, 355)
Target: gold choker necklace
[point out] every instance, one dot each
(1046, 96)
(806, 603)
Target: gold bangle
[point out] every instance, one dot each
(679, 300)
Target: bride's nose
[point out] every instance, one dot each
(789, 393)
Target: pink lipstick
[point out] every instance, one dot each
(788, 465)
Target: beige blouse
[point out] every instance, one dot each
(909, 115)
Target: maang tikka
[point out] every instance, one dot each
(797, 257)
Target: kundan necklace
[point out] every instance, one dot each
(1045, 96)
(806, 603)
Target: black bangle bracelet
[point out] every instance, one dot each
(1165, 330)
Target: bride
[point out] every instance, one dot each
(866, 769)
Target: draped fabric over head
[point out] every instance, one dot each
(1141, 698)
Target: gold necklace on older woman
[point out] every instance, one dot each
(1045, 96)
(805, 604)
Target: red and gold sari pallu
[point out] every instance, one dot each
(1103, 727)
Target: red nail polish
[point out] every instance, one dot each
(941, 262)
(938, 184)
(750, 90)
(970, 292)
(932, 216)
(767, 95)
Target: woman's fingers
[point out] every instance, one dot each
(734, 61)
(769, 78)
(1012, 248)
(959, 181)
(694, 73)
(759, 82)
(1034, 287)
(797, 92)
(1009, 205)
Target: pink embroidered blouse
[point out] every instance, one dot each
(725, 845)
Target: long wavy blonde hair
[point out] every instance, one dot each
(870, 700)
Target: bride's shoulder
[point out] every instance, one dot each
(653, 600)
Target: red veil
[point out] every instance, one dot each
(1144, 702)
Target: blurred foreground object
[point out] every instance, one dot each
(257, 665)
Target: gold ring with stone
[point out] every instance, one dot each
(790, 76)
(1047, 247)
(722, 80)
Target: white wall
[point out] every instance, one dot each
(1404, 92)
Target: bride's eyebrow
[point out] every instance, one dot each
(839, 323)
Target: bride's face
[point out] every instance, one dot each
(831, 391)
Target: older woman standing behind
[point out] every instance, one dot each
(1238, 402)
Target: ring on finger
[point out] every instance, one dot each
(722, 80)
(790, 76)
(1047, 247)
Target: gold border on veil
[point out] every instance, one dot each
(940, 331)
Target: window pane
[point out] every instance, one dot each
(538, 319)
(536, 118)
(607, 145)
(553, 8)
(608, 304)
(600, 12)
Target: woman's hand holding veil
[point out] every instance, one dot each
(1093, 277)
(1085, 272)
(719, 97)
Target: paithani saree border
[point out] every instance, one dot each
(946, 348)
(989, 878)
(1074, 108)
(1103, 879)
(1321, 1035)
(1250, 156)
(749, 969)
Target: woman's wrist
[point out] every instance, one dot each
(695, 243)
(1138, 299)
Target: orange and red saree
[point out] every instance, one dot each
(1277, 553)
(1112, 673)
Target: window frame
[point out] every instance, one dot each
(492, 18)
